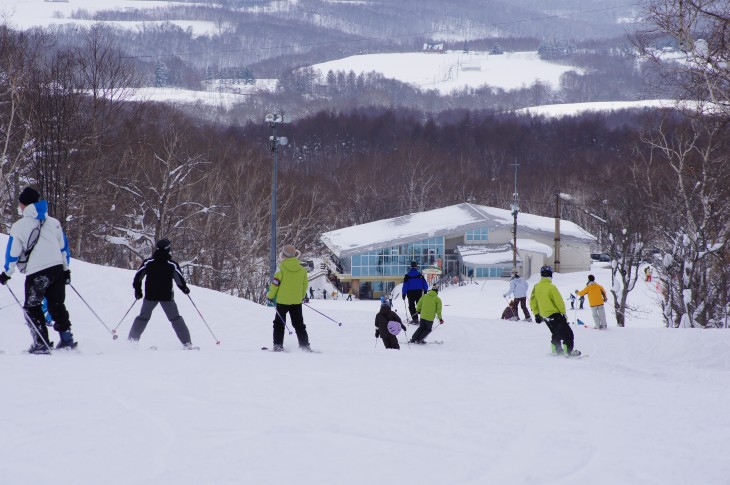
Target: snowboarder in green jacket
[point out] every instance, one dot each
(429, 308)
(548, 306)
(287, 290)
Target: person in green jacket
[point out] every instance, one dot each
(428, 307)
(548, 306)
(287, 290)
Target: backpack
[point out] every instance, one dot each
(394, 327)
(33, 238)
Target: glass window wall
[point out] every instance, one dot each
(480, 235)
(396, 260)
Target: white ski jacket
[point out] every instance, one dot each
(517, 287)
(51, 248)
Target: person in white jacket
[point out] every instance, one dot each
(38, 247)
(518, 288)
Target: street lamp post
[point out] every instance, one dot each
(515, 211)
(274, 143)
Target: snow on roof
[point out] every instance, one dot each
(437, 222)
(484, 255)
(534, 246)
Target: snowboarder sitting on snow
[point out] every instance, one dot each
(510, 313)
(414, 286)
(547, 305)
(387, 325)
(38, 248)
(160, 271)
(596, 298)
(287, 290)
(429, 306)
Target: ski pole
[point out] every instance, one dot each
(92, 310)
(29, 321)
(407, 339)
(325, 316)
(114, 332)
(217, 342)
(282, 320)
(405, 306)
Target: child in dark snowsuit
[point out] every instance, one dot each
(385, 326)
(510, 313)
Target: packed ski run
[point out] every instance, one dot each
(489, 404)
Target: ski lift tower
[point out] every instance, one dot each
(274, 120)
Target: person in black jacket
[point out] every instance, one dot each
(160, 271)
(382, 320)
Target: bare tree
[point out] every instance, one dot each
(689, 176)
(700, 29)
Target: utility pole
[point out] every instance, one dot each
(515, 211)
(557, 231)
(274, 143)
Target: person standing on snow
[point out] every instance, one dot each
(571, 299)
(429, 306)
(547, 305)
(414, 286)
(518, 288)
(287, 290)
(387, 326)
(160, 271)
(596, 298)
(38, 247)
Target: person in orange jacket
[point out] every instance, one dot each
(596, 298)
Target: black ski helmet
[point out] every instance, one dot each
(546, 272)
(164, 245)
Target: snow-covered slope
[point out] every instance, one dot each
(454, 70)
(487, 406)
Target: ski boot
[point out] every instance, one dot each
(305, 348)
(40, 348)
(190, 346)
(67, 341)
(555, 351)
(528, 319)
(278, 348)
(571, 353)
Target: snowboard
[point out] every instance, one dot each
(581, 356)
(266, 349)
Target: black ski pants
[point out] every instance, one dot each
(170, 309)
(297, 321)
(413, 297)
(389, 340)
(422, 331)
(560, 331)
(50, 284)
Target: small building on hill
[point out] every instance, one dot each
(459, 242)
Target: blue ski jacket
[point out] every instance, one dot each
(414, 280)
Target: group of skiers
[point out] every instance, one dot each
(38, 247)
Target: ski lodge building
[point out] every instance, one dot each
(460, 242)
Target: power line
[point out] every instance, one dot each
(384, 37)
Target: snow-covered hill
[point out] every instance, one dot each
(487, 406)
(455, 70)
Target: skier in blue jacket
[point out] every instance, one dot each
(414, 287)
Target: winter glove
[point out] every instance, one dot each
(377, 334)
(441, 321)
(67, 276)
(538, 318)
(185, 289)
(138, 293)
(605, 300)
(4, 278)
